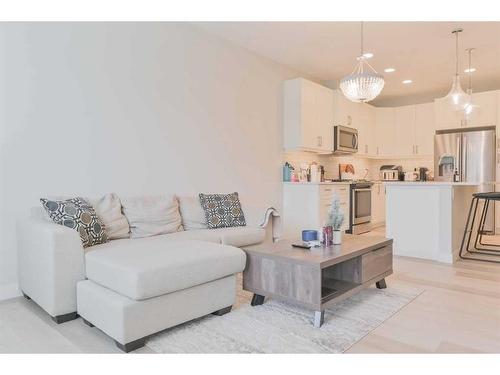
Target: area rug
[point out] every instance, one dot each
(277, 327)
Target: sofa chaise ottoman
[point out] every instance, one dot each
(151, 284)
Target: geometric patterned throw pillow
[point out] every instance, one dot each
(78, 214)
(222, 210)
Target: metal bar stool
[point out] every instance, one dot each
(487, 197)
(471, 218)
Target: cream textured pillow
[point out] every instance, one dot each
(193, 216)
(109, 209)
(151, 216)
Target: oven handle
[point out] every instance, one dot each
(362, 189)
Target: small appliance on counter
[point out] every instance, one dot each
(412, 175)
(346, 172)
(423, 173)
(391, 173)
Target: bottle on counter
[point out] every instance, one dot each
(287, 172)
(456, 176)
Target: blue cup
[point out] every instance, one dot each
(309, 235)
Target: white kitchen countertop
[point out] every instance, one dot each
(433, 183)
(319, 183)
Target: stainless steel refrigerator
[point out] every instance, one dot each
(467, 155)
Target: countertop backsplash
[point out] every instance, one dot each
(331, 163)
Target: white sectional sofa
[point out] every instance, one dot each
(132, 288)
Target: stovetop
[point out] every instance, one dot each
(351, 181)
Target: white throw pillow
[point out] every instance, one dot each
(109, 209)
(193, 216)
(151, 216)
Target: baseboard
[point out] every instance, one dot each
(8, 291)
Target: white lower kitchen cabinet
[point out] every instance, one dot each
(306, 205)
(378, 204)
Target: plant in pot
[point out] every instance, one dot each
(335, 220)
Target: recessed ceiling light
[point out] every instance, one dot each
(471, 70)
(368, 55)
(407, 81)
(389, 70)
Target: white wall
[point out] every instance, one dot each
(135, 109)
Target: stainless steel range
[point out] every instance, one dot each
(360, 205)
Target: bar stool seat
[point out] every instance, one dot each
(476, 197)
(494, 195)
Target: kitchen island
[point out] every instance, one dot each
(427, 219)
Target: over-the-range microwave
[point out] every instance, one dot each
(345, 140)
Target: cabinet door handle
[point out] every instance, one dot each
(328, 189)
(366, 149)
(320, 140)
(377, 150)
(416, 149)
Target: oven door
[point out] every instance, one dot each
(345, 140)
(361, 210)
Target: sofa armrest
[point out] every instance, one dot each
(51, 261)
(264, 217)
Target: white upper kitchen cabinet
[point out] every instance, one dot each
(412, 127)
(385, 138)
(484, 115)
(424, 129)
(345, 112)
(307, 116)
(404, 130)
(366, 130)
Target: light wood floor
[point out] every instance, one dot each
(459, 311)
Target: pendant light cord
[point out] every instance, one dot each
(361, 39)
(470, 73)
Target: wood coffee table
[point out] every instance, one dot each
(318, 277)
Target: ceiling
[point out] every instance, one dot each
(421, 51)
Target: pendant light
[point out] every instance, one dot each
(456, 98)
(364, 83)
(470, 106)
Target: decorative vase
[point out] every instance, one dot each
(337, 237)
(327, 236)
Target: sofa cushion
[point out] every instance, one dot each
(193, 216)
(236, 236)
(153, 266)
(241, 236)
(152, 215)
(78, 214)
(109, 209)
(222, 210)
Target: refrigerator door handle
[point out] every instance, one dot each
(464, 152)
(458, 158)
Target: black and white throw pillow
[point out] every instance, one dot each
(78, 214)
(222, 210)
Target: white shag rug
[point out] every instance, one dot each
(277, 327)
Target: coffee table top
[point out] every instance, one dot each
(351, 247)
